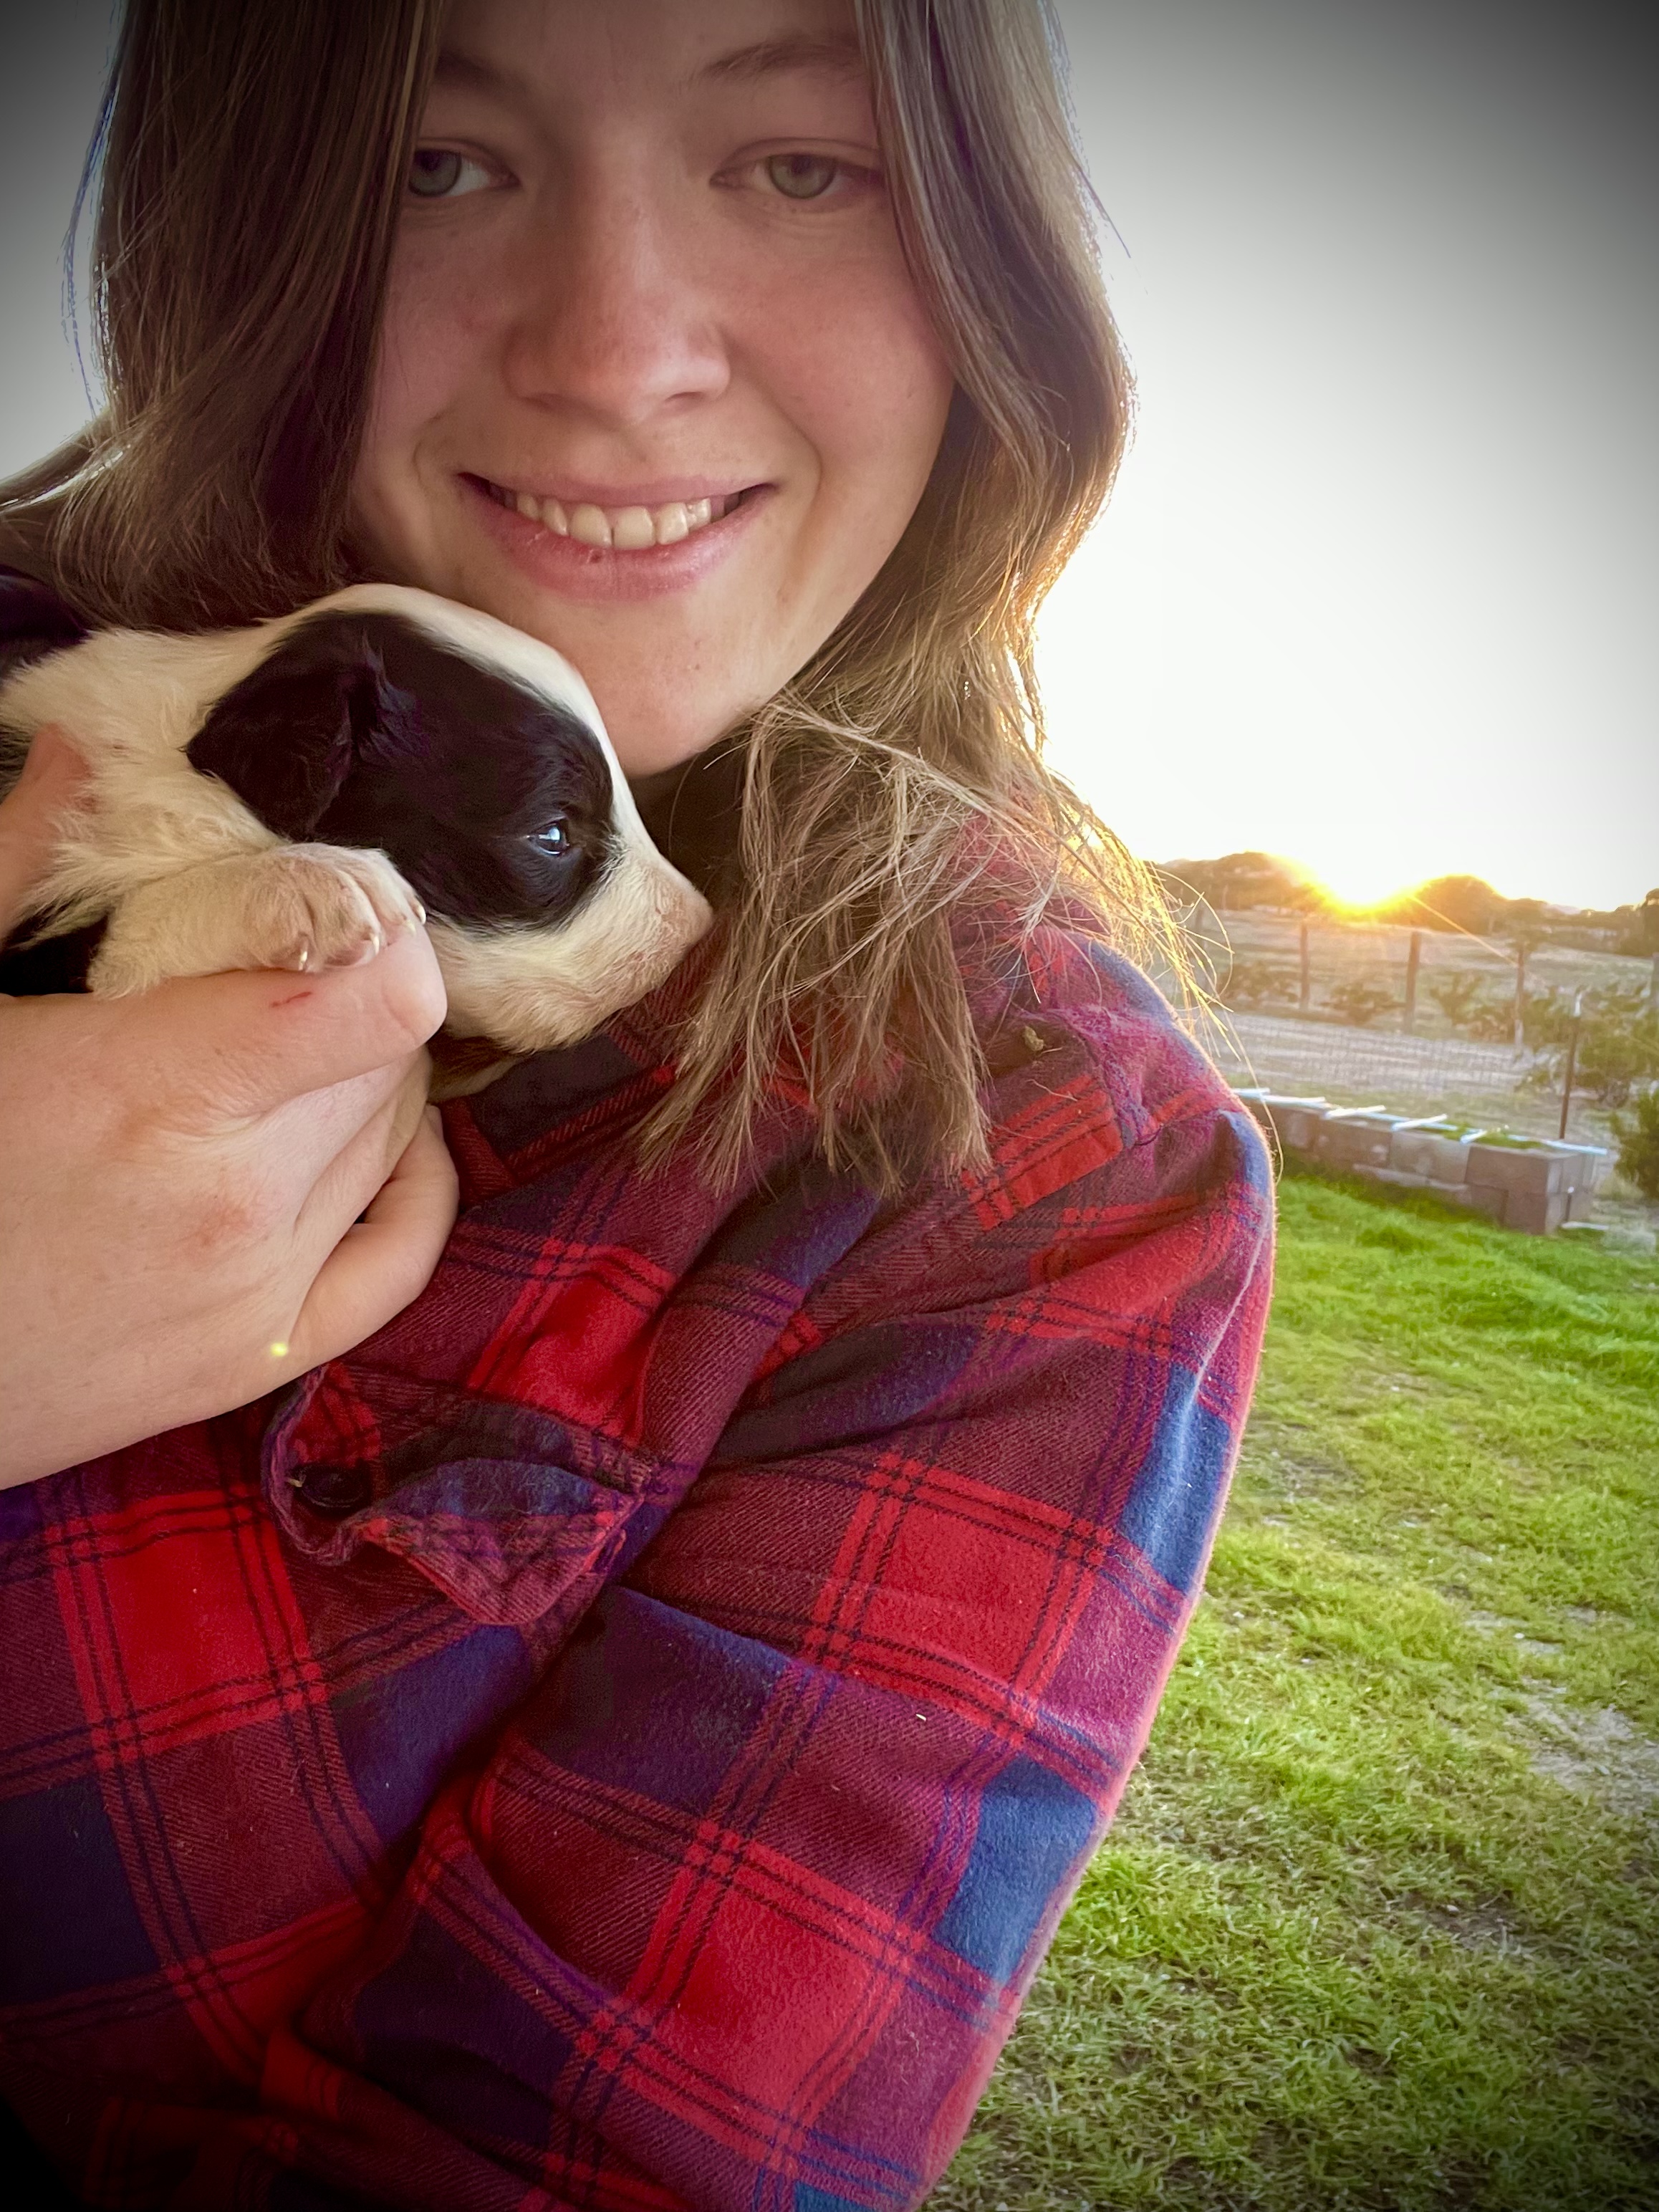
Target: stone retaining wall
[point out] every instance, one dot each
(1533, 1183)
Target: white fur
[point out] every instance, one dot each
(194, 883)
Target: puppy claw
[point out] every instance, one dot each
(297, 907)
(353, 902)
(359, 955)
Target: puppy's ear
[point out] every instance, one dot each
(284, 739)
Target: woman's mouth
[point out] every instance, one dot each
(620, 550)
(631, 529)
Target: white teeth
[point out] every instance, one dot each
(589, 525)
(626, 528)
(633, 529)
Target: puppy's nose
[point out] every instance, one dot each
(684, 913)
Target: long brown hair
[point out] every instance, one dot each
(253, 162)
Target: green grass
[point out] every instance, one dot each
(1378, 1924)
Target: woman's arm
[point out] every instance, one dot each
(744, 1906)
(180, 1174)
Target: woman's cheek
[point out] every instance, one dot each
(443, 308)
(855, 367)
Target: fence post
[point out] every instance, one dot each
(1408, 1017)
(1519, 1037)
(1573, 1061)
(1306, 992)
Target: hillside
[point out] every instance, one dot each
(1239, 882)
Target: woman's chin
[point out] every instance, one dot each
(648, 748)
(654, 719)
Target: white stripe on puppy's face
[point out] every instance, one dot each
(531, 989)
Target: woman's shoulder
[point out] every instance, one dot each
(1057, 1005)
(1122, 1187)
(1108, 1130)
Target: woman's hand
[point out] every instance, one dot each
(182, 1175)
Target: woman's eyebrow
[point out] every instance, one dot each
(834, 57)
(837, 57)
(455, 67)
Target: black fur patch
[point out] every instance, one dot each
(364, 729)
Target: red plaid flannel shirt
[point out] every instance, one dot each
(624, 1737)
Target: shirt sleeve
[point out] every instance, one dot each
(742, 1909)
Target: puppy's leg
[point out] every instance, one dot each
(296, 906)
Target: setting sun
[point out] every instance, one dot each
(1361, 879)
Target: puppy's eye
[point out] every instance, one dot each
(555, 839)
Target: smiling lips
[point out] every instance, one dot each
(619, 528)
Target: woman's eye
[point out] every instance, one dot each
(803, 176)
(439, 173)
(555, 839)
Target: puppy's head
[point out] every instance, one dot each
(475, 759)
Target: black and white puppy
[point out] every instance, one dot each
(288, 795)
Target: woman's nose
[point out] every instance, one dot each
(615, 321)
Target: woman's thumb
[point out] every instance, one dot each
(29, 817)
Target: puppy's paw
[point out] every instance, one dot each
(324, 905)
(301, 906)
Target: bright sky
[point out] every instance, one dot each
(1377, 590)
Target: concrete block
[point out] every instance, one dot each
(1538, 1171)
(1395, 1176)
(1427, 1152)
(1539, 1213)
(1479, 1197)
(1295, 1119)
(1580, 1204)
(1355, 1140)
(1587, 1165)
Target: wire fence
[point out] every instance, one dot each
(1420, 1021)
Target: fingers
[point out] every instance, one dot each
(385, 1261)
(337, 1147)
(52, 775)
(228, 1048)
(234, 1047)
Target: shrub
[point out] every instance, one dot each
(1458, 995)
(1545, 1017)
(1252, 982)
(1617, 1053)
(1638, 1143)
(1615, 1056)
(1360, 1002)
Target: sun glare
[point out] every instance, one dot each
(1355, 881)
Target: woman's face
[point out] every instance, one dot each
(654, 384)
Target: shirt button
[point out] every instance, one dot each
(335, 1489)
